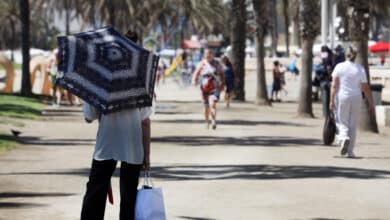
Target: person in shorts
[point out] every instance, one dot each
(230, 79)
(212, 81)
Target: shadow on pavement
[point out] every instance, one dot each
(232, 122)
(55, 142)
(18, 109)
(263, 172)
(260, 141)
(7, 137)
(195, 218)
(7, 205)
(63, 110)
(246, 172)
(32, 194)
(172, 113)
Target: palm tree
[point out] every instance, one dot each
(9, 17)
(358, 29)
(261, 20)
(25, 21)
(286, 24)
(203, 15)
(379, 10)
(309, 29)
(294, 11)
(238, 36)
(273, 26)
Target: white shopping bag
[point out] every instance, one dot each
(150, 202)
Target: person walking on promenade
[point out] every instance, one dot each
(211, 83)
(349, 80)
(292, 67)
(52, 70)
(230, 79)
(324, 74)
(122, 136)
(277, 83)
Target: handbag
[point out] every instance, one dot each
(150, 201)
(329, 130)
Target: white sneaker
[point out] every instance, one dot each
(344, 147)
(214, 124)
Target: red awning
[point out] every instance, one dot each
(192, 44)
(380, 46)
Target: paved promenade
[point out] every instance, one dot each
(260, 163)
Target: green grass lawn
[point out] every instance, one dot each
(13, 109)
(15, 106)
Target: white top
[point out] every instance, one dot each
(209, 68)
(351, 76)
(120, 134)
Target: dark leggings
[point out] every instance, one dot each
(94, 202)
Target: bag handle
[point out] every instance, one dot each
(148, 183)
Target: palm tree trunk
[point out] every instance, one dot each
(273, 27)
(286, 25)
(305, 108)
(309, 30)
(238, 36)
(112, 14)
(67, 17)
(25, 22)
(13, 39)
(92, 13)
(261, 89)
(367, 121)
(295, 21)
(260, 8)
(358, 28)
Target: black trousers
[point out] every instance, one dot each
(95, 198)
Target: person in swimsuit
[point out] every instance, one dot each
(212, 81)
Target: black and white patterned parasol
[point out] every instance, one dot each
(107, 70)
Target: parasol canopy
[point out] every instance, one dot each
(379, 47)
(106, 70)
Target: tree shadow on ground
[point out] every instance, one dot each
(63, 110)
(263, 172)
(27, 140)
(260, 141)
(318, 219)
(172, 113)
(32, 194)
(19, 109)
(6, 137)
(69, 114)
(7, 205)
(239, 172)
(195, 218)
(232, 122)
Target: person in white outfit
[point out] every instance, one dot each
(349, 80)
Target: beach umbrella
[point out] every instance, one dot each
(106, 70)
(379, 47)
